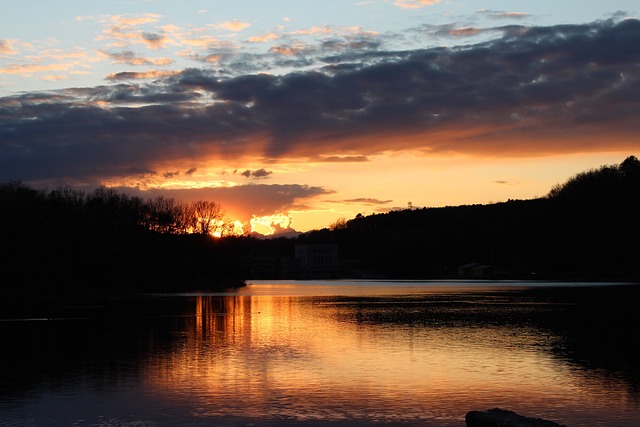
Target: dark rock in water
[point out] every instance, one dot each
(501, 418)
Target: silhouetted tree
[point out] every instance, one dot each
(165, 215)
(339, 224)
(206, 217)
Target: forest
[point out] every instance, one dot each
(64, 240)
(584, 229)
(67, 241)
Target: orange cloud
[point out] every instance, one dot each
(7, 47)
(464, 32)
(134, 20)
(206, 42)
(315, 30)
(341, 159)
(28, 70)
(264, 38)
(42, 62)
(235, 25)
(267, 225)
(290, 50)
(366, 201)
(484, 99)
(128, 57)
(152, 74)
(54, 78)
(124, 29)
(154, 40)
(415, 4)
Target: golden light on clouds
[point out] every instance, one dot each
(290, 50)
(235, 25)
(263, 38)
(296, 124)
(268, 225)
(7, 47)
(151, 74)
(415, 4)
(27, 70)
(132, 20)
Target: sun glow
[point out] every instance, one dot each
(269, 224)
(236, 228)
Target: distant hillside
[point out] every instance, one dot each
(586, 228)
(68, 241)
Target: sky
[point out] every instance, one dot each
(294, 114)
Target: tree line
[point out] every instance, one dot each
(68, 240)
(116, 209)
(585, 228)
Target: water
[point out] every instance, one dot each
(325, 353)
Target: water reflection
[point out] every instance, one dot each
(351, 354)
(421, 360)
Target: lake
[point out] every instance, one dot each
(325, 353)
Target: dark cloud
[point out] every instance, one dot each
(260, 173)
(566, 88)
(154, 40)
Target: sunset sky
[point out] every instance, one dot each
(304, 111)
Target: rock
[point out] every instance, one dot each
(501, 418)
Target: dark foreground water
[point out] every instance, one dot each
(324, 353)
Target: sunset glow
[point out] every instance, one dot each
(298, 345)
(268, 225)
(291, 118)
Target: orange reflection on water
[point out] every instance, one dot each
(306, 358)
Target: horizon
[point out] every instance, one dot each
(294, 117)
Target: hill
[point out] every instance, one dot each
(67, 241)
(586, 228)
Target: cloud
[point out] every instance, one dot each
(498, 14)
(366, 201)
(154, 40)
(464, 32)
(315, 30)
(133, 75)
(415, 4)
(264, 38)
(7, 47)
(54, 78)
(243, 201)
(123, 30)
(29, 69)
(289, 50)
(134, 20)
(52, 60)
(235, 25)
(129, 57)
(341, 159)
(533, 90)
(260, 173)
